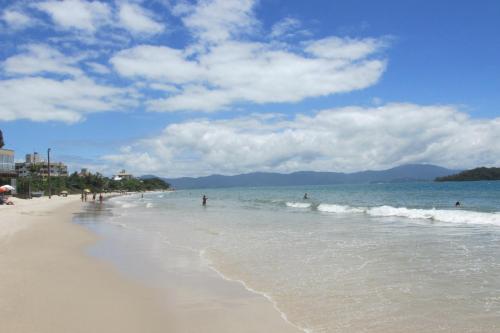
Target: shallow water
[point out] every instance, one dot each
(352, 258)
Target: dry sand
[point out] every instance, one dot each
(48, 284)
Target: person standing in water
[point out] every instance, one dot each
(204, 200)
(457, 204)
(305, 196)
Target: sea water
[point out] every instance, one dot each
(352, 258)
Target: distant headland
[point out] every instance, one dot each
(476, 174)
(403, 173)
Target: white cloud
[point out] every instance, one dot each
(77, 14)
(224, 67)
(16, 19)
(346, 139)
(138, 20)
(41, 58)
(232, 72)
(287, 27)
(43, 99)
(345, 48)
(157, 63)
(214, 21)
(98, 68)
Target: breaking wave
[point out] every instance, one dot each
(442, 215)
(298, 204)
(340, 209)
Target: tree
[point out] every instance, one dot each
(76, 183)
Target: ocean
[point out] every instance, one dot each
(397, 257)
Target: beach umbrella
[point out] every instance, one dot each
(6, 188)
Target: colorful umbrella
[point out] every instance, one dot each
(6, 188)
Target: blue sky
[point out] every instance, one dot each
(198, 87)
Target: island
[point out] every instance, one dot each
(476, 174)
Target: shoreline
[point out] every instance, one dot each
(256, 292)
(49, 283)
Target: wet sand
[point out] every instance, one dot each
(49, 284)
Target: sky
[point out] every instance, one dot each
(192, 88)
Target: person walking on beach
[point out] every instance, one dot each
(204, 200)
(101, 198)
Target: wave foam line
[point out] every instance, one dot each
(339, 209)
(283, 315)
(450, 216)
(298, 204)
(442, 215)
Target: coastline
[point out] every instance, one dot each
(49, 284)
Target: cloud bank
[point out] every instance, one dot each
(345, 139)
(225, 67)
(228, 58)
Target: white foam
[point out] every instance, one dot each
(128, 205)
(443, 215)
(298, 204)
(340, 209)
(149, 205)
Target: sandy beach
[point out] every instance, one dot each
(49, 284)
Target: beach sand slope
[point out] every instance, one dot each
(49, 285)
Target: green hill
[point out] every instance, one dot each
(473, 175)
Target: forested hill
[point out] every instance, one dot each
(404, 173)
(473, 175)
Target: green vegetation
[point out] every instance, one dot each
(94, 182)
(473, 175)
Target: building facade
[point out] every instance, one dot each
(123, 175)
(33, 158)
(7, 165)
(34, 165)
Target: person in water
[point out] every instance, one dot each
(204, 200)
(305, 196)
(457, 204)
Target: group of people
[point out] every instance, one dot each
(85, 194)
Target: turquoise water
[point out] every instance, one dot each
(352, 258)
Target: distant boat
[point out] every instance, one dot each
(37, 194)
